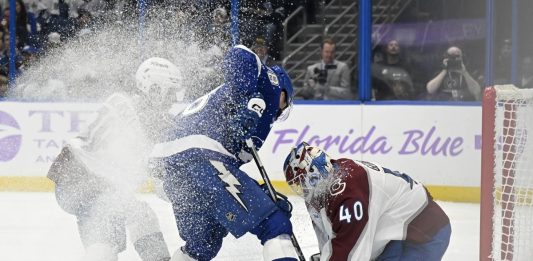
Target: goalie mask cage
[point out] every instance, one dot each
(506, 231)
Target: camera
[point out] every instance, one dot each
(321, 75)
(454, 63)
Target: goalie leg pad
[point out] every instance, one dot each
(279, 248)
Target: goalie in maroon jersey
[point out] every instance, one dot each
(362, 211)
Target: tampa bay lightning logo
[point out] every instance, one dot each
(231, 182)
(272, 77)
(10, 137)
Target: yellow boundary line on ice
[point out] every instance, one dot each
(42, 184)
(26, 184)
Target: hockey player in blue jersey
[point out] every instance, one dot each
(210, 195)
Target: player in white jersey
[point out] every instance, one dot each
(98, 172)
(363, 211)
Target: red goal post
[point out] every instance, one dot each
(506, 218)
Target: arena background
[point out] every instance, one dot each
(437, 143)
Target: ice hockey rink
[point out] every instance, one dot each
(33, 227)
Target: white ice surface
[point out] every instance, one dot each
(33, 227)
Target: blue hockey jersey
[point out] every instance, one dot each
(245, 106)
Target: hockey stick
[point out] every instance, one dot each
(272, 192)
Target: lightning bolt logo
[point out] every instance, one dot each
(230, 181)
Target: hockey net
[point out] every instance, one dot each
(507, 174)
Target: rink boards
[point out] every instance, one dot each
(437, 144)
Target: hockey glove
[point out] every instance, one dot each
(281, 201)
(243, 117)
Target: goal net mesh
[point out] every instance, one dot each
(512, 237)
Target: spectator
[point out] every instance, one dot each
(454, 82)
(391, 78)
(35, 6)
(526, 75)
(220, 29)
(273, 30)
(54, 41)
(502, 72)
(84, 22)
(4, 57)
(261, 50)
(3, 85)
(3, 44)
(21, 23)
(328, 79)
(29, 56)
(59, 20)
(4, 52)
(252, 20)
(4, 71)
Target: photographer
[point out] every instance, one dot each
(454, 82)
(391, 79)
(328, 79)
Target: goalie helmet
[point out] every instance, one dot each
(158, 79)
(305, 167)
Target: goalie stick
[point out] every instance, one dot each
(271, 191)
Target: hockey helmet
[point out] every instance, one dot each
(159, 78)
(305, 167)
(285, 83)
